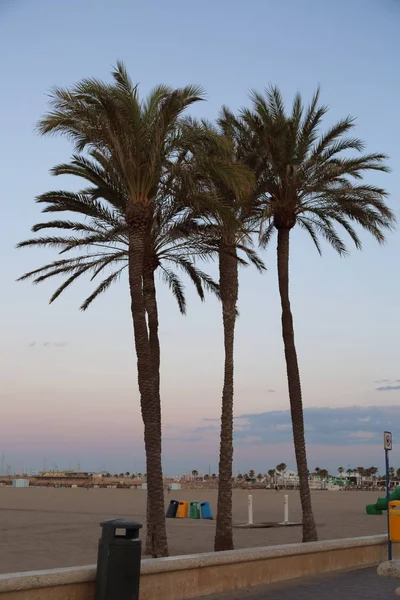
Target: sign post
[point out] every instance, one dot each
(387, 444)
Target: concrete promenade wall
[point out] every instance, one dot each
(191, 576)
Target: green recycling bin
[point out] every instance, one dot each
(194, 512)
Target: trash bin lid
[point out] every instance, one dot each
(109, 528)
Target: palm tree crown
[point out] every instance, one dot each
(101, 239)
(309, 178)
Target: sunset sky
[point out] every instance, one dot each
(68, 390)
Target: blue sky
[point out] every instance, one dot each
(67, 379)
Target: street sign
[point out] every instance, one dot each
(387, 440)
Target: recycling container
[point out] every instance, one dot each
(394, 520)
(172, 509)
(206, 510)
(182, 511)
(194, 511)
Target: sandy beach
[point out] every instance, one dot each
(45, 528)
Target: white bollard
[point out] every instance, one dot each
(286, 509)
(250, 509)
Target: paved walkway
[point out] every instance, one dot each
(363, 584)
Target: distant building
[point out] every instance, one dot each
(64, 475)
(20, 483)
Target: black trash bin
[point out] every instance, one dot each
(118, 560)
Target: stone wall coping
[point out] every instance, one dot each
(72, 575)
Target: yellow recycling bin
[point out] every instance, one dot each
(394, 520)
(183, 508)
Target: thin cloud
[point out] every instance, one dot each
(60, 344)
(387, 388)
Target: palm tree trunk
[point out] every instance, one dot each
(293, 377)
(149, 291)
(228, 280)
(155, 493)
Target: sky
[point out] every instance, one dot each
(68, 392)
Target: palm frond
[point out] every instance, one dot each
(104, 285)
(175, 286)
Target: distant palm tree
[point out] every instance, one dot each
(310, 181)
(281, 468)
(127, 474)
(323, 473)
(195, 473)
(272, 473)
(340, 471)
(239, 477)
(373, 471)
(252, 474)
(260, 476)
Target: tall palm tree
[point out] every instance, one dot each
(310, 180)
(169, 243)
(138, 140)
(227, 229)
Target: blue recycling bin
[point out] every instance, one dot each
(206, 510)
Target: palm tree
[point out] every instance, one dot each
(272, 473)
(164, 250)
(227, 230)
(252, 474)
(281, 468)
(373, 472)
(259, 477)
(195, 474)
(138, 140)
(324, 474)
(307, 181)
(340, 471)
